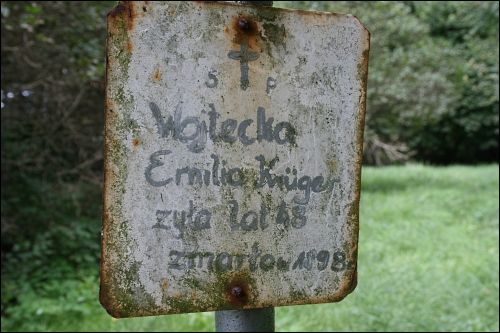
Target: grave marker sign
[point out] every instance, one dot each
(233, 146)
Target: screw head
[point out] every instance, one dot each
(243, 24)
(237, 291)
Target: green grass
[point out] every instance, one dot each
(428, 261)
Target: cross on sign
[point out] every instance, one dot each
(244, 55)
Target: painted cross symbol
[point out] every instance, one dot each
(244, 55)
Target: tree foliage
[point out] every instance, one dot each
(52, 68)
(52, 56)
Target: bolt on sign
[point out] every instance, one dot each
(233, 144)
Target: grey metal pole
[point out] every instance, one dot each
(253, 320)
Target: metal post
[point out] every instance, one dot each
(253, 320)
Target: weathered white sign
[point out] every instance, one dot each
(233, 148)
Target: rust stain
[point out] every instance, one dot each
(244, 29)
(238, 292)
(164, 284)
(157, 75)
(118, 10)
(350, 281)
(105, 276)
(119, 24)
(136, 142)
(244, 25)
(127, 11)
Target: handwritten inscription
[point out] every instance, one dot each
(219, 175)
(194, 131)
(288, 216)
(257, 260)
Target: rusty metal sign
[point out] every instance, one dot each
(233, 144)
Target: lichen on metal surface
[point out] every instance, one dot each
(233, 144)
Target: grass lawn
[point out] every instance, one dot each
(428, 261)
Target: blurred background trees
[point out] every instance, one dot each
(52, 56)
(52, 65)
(432, 97)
